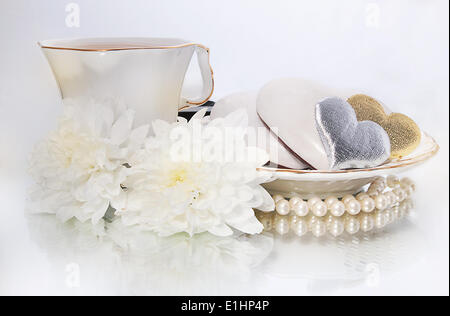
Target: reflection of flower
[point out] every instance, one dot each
(178, 264)
(79, 168)
(167, 194)
(126, 261)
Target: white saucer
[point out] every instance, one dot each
(307, 183)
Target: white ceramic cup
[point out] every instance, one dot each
(145, 73)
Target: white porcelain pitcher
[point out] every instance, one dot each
(145, 73)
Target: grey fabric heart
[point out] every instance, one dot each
(347, 142)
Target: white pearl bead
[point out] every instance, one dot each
(392, 181)
(300, 228)
(367, 205)
(337, 209)
(352, 225)
(353, 207)
(277, 198)
(330, 200)
(381, 182)
(381, 202)
(374, 187)
(404, 185)
(361, 196)
(336, 227)
(294, 201)
(400, 193)
(319, 209)
(392, 198)
(282, 207)
(282, 225)
(347, 198)
(406, 181)
(300, 208)
(319, 228)
(313, 201)
(367, 223)
(380, 219)
(395, 197)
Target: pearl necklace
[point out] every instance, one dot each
(374, 208)
(375, 198)
(334, 225)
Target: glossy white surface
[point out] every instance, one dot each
(401, 57)
(41, 256)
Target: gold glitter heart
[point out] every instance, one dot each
(403, 132)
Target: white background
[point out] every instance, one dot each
(394, 50)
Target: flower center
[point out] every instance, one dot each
(177, 176)
(181, 179)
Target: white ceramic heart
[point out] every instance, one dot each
(288, 107)
(279, 155)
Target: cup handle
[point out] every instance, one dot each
(207, 76)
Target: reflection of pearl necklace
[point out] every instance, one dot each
(365, 211)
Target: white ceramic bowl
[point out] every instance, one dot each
(307, 183)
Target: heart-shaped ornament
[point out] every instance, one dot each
(347, 142)
(288, 107)
(404, 134)
(279, 154)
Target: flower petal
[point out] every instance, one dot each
(198, 115)
(121, 128)
(244, 219)
(138, 136)
(221, 230)
(160, 127)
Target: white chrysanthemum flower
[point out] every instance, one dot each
(79, 168)
(189, 178)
